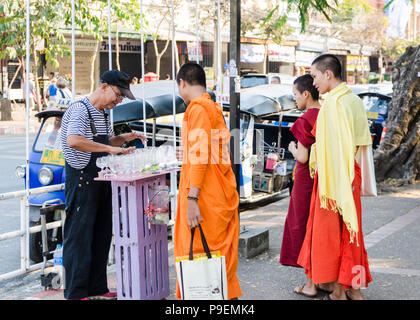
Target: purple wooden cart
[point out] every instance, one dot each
(141, 248)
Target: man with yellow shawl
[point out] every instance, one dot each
(333, 252)
(207, 188)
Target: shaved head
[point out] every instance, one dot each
(328, 62)
(192, 73)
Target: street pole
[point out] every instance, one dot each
(234, 61)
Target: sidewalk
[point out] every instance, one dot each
(17, 126)
(391, 226)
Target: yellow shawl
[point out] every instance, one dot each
(341, 127)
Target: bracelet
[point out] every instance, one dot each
(192, 198)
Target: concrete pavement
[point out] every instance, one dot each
(391, 226)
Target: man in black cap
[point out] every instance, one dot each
(86, 135)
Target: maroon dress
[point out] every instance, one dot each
(300, 199)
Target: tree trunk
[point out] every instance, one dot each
(117, 47)
(35, 72)
(397, 159)
(92, 66)
(159, 54)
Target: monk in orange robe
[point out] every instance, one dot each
(333, 252)
(207, 188)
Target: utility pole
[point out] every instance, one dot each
(234, 67)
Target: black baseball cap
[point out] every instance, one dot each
(119, 79)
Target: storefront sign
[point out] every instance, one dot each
(305, 58)
(277, 53)
(252, 53)
(357, 63)
(125, 46)
(192, 51)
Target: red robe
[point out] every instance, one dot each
(300, 199)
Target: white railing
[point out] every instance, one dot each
(25, 230)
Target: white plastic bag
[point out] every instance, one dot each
(364, 157)
(202, 279)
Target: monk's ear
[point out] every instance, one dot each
(329, 74)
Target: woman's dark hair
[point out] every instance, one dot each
(306, 83)
(192, 73)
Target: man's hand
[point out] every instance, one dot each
(117, 150)
(193, 214)
(129, 136)
(179, 154)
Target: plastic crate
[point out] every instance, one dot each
(141, 248)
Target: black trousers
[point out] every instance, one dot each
(87, 233)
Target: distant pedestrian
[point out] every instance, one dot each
(306, 97)
(167, 77)
(63, 89)
(134, 80)
(32, 93)
(275, 80)
(51, 93)
(333, 252)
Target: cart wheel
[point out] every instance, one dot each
(56, 282)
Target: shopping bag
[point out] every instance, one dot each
(364, 157)
(202, 278)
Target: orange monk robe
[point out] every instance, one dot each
(206, 165)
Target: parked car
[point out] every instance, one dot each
(266, 164)
(254, 79)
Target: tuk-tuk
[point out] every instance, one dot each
(376, 99)
(46, 167)
(267, 113)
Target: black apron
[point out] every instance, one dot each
(88, 226)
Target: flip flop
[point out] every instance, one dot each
(319, 288)
(347, 296)
(299, 290)
(326, 297)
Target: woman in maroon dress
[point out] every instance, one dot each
(306, 97)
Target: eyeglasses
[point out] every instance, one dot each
(118, 96)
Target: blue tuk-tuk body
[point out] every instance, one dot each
(36, 156)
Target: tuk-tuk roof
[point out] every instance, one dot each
(158, 102)
(283, 93)
(375, 94)
(384, 89)
(50, 113)
(258, 104)
(266, 100)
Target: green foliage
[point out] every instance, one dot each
(394, 48)
(50, 18)
(304, 7)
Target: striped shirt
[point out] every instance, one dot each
(76, 121)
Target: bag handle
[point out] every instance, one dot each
(203, 240)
